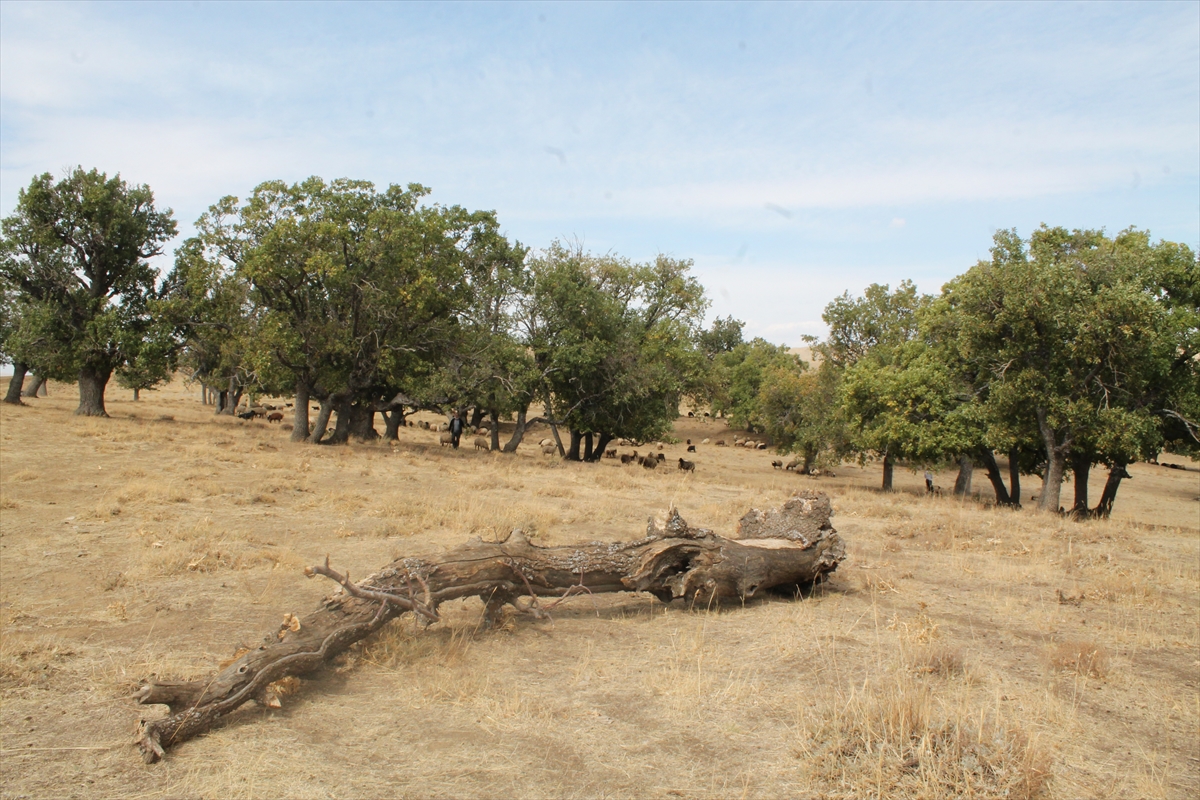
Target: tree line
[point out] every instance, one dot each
(1063, 351)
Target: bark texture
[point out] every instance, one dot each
(781, 549)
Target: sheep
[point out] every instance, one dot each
(275, 416)
(445, 426)
(793, 464)
(270, 407)
(691, 414)
(445, 439)
(649, 462)
(687, 466)
(762, 445)
(481, 443)
(624, 443)
(704, 441)
(777, 464)
(691, 448)
(545, 442)
(689, 441)
(246, 415)
(610, 452)
(626, 458)
(738, 441)
(660, 457)
(720, 442)
(548, 449)
(660, 447)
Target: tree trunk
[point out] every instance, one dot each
(476, 417)
(549, 412)
(782, 549)
(222, 400)
(887, 473)
(300, 413)
(1081, 466)
(601, 444)
(587, 446)
(576, 440)
(966, 469)
(993, 472)
(137, 394)
(518, 431)
(91, 392)
(322, 423)
(14, 385)
(495, 431)
(341, 430)
(362, 422)
(1014, 476)
(37, 385)
(1056, 461)
(1115, 475)
(393, 421)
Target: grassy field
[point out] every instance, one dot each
(960, 651)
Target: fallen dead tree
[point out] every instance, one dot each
(782, 549)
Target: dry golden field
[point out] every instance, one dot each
(959, 651)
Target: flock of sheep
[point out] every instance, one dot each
(548, 446)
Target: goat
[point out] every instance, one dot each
(660, 457)
(610, 452)
(626, 458)
(691, 448)
(687, 466)
(762, 445)
(275, 416)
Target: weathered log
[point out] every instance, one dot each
(785, 548)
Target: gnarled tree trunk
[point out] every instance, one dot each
(781, 549)
(966, 469)
(36, 387)
(91, 391)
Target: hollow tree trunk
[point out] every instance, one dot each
(888, 467)
(13, 397)
(1081, 466)
(993, 472)
(91, 391)
(966, 469)
(36, 387)
(782, 549)
(1058, 446)
(300, 413)
(1115, 475)
(1014, 476)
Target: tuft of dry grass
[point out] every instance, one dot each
(1084, 658)
(899, 738)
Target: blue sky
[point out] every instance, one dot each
(793, 151)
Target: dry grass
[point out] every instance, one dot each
(962, 650)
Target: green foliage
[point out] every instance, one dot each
(799, 410)
(612, 340)
(737, 378)
(77, 251)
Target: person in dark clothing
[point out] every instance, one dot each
(456, 428)
(928, 482)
